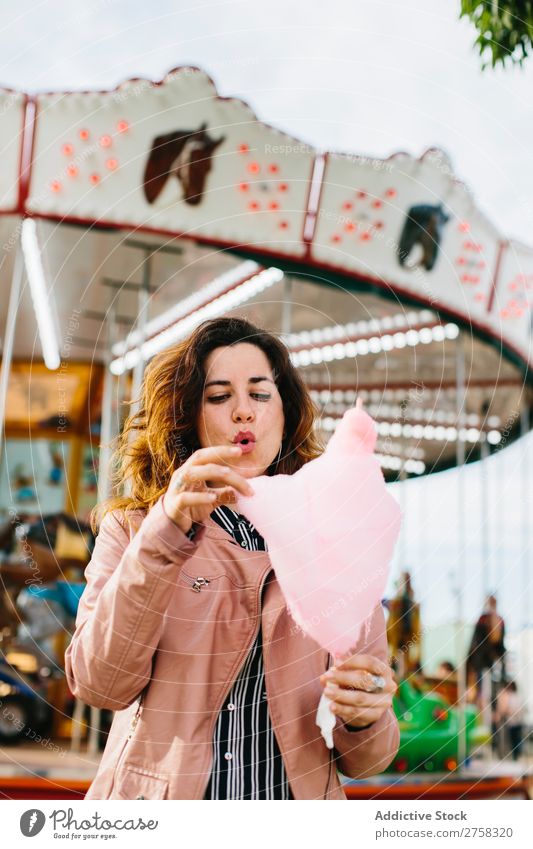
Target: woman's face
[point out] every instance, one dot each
(241, 404)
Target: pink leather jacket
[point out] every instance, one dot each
(163, 627)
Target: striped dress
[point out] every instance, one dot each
(247, 762)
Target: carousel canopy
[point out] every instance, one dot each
(160, 204)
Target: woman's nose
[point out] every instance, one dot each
(242, 414)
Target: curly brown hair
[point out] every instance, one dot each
(161, 434)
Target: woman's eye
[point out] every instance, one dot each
(258, 396)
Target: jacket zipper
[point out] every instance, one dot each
(136, 717)
(331, 759)
(228, 689)
(133, 725)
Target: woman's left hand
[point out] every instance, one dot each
(348, 685)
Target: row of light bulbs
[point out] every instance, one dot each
(430, 432)
(388, 411)
(359, 328)
(338, 400)
(181, 329)
(374, 345)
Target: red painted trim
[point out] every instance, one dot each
(311, 213)
(502, 247)
(26, 153)
(266, 253)
(14, 210)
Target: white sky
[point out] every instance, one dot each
(365, 77)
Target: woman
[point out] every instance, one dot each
(182, 628)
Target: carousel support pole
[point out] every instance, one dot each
(286, 312)
(526, 536)
(107, 433)
(485, 529)
(107, 429)
(9, 340)
(461, 566)
(143, 304)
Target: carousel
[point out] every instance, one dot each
(129, 216)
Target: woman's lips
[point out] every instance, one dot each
(246, 447)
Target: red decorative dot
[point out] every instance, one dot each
(105, 141)
(481, 263)
(350, 226)
(390, 193)
(55, 186)
(513, 287)
(84, 134)
(123, 126)
(253, 206)
(283, 225)
(243, 148)
(377, 203)
(335, 238)
(366, 236)
(504, 313)
(254, 167)
(72, 171)
(479, 296)
(378, 225)
(273, 168)
(460, 260)
(464, 227)
(283, 187)
(361, 194)
(273, 205)
(347, 205)
(94, 179)
(243, 187)
(67, 149)
(112, 164)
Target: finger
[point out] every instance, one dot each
(363, 717)
(221, 474)
(214, 453)
(364, 661)
(358, 698)
(192, 499)
(225, 495)
(359, 678)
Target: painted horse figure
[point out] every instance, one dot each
(187, 155)
(423, 226)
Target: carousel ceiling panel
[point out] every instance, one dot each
(512, 312)
(408, 222)
(175, 157)
(12, 110)
(170, 157)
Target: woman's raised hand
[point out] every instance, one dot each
(189, 499)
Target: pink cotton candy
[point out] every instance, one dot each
(331, 529)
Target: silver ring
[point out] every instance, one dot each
(179, 483)
(378, 681)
